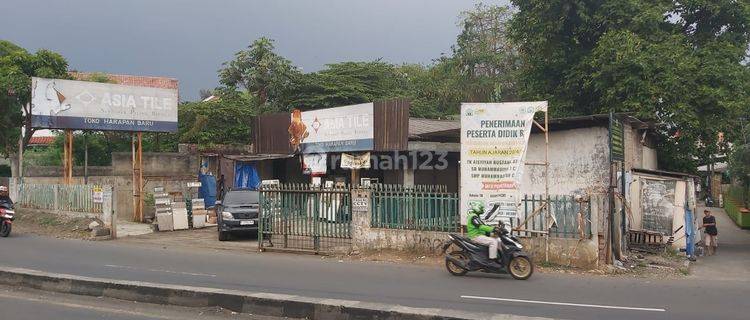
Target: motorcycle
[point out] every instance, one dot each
(470, 256)
(7, 215)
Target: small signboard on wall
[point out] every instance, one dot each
(360, 201)
(616, 139)
(97, 194)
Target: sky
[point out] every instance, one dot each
(190, 39)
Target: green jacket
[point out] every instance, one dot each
(475, 227)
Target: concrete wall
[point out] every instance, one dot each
(578, 162)
(57, 171)
(157, 164)
(582, 253)
(168, 170)
(637, 153)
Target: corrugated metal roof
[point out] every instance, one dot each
(424, 127)
(258, 157)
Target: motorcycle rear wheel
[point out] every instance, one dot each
(4, 229)
(452, 267)
(520, 268)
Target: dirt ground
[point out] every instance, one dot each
(667, 265)
(206, 238)
(33, 222)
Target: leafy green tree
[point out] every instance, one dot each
(679, 63)
(347, 83)
(17, 66)
(260, 72)
(226, 121)
(487, 60)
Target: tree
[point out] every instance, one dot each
(226, 121)
(205, 93)
(17, 66)
(679, 63)
(347, 83)
(486, 58)
(261, 72)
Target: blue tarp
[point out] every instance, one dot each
(246, 176)
(689, 233)
(207, 190)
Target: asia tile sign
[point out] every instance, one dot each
(70, 104)
(494, 139)
(348, 128)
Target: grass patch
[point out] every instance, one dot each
(684, 271)
(49, 221)
(671, 254)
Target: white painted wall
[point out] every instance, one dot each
(649, 159)
(578, 162)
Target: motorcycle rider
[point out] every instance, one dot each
(479, 232)
(4, 196)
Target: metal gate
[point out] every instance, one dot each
(304, 218)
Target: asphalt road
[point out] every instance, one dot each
(546, 295)
(26, 304)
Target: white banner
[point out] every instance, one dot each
(348, 128)
(315, 163)
(70, 104)
(494, 138)
(361, 161)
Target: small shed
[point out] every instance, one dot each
(663, 202)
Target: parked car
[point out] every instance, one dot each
(238, 213)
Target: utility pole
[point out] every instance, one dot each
(85, 158)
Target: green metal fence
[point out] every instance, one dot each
(569, 214)
(74, 198)
(301, 217)
(427, 208)
(734, 200)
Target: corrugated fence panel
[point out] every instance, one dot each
(391, 124)
(270, 133)
(74, 198)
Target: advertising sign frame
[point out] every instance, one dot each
(85, 105)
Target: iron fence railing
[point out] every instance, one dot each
(572, 218)
(299, 216)
(426, 208)
(73, 198)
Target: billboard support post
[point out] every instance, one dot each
(137, 152)
(68, 157)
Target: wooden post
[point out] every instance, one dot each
(137, 149)
(355, 177)
(68, 157)
(546, 183)
(20, 159)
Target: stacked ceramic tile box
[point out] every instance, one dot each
(199, 213)
(163, 206)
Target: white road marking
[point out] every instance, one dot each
(565, 304)
(160, 270)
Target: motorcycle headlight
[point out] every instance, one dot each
(226, 215)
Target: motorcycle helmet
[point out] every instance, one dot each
(477, 207)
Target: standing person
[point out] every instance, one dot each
(221, 187)
(709, 232)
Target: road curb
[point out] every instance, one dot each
(267, 304)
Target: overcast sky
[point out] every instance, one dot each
(189, 39)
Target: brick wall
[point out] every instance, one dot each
(140, 81)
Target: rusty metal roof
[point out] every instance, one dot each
(422, 128)
(41, 141)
